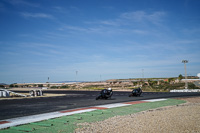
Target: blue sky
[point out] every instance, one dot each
(100, 39)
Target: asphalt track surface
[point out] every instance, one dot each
(74, 99)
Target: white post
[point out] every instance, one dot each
(186, 83)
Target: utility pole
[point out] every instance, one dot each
(142, 73)
(76, 75)
(48, 83)
(186, 83)
(142, 77)
(76, 78)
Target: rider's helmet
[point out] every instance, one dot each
(109, 89)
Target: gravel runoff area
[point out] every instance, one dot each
(184, 118)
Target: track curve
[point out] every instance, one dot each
(73, 99)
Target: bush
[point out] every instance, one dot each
(166, 87)
(11, 85)
(40, 85)
(54, 87)
(192, 86)
(64, 87)
(1, 86)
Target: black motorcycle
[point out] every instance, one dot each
(136, 92)
(105, 94)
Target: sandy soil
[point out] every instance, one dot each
(184, 118)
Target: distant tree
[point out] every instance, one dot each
(170, 79)
(180, 77)
(16, 86)
(135, 83)
(150, 82)
(11, 85)
(1, 86)
(54, 87)
(64, 87)
(154, 82)
(192, 86)
(40, 85)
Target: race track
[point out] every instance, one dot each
(74, 99)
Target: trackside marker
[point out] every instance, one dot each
(112, 105)
(99, 108)
(73, 110)
(4, 122)
(154, 100)
(135, 102)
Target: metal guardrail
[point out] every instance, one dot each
(186, 90)
(36, 93)
(6, 93)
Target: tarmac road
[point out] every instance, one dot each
(74, 99)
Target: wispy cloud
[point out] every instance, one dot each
(27, 48)
(110, 22)
(75, 28)
(125, 23)
(191, 31)
(108, 7)
(74, 8)
(189, 42)
(104, 29)
(93, 30)
(22, 2)
(48, 53)
(37, 45)
(60, 9)
(36, 15)
(142, 16)
(136, 17)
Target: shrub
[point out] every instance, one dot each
(64, 87)
(11, 85)
(192, 86)
(1, 86)
(16, 86)
(40, 85)
(54, 87)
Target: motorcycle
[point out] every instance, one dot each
(136, 92)
(105, 94)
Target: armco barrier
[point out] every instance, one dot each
(7, 93)
(36, 93)
(4, 93)
(186, 90)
